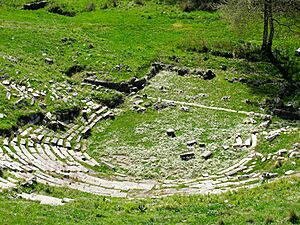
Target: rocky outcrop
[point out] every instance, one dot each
(135, 84)
(126, 87)
(35, 5)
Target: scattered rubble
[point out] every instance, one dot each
(45, 200)
(170, 132)
(35, 5)
(297, 52)
(206, 154)
(192, 143)
(187, 156)
(56, 148)
(267, 175)
(265, 124)
(49, 61)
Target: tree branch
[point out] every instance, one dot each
(288, 26)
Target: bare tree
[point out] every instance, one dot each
(268, 34)
(287, 13)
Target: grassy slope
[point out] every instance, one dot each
(128, 34)
(253, 206)
(136, 36)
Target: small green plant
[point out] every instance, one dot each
(139, 2)
(142, 208)
(221, 222)
(61, 9)
(187, 6)
(269, 220)
(90, 7)
(293, 217)
(278, 164)
(108, 97)
(114, 3)
(104, 6)
(250, 220)
(204, 5)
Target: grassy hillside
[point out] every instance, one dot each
(273, 203)
(128, 34)
(53, 49)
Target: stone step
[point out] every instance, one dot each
(60, 143)
(52, 162)
(49, 179)
(242, 162)
(43, 199)
(254, 140)
(235, 171)
(26, 132)
(64, 151)
(38, 130)
(48, 151)
(15, 156)
(8, 183)
(26, 153)
(12, 180)
(91, 160)
(54, 141)
(14, 166)
(32, 150)
(30, 143)
(4, 185)
(58, 153)
(97, 190)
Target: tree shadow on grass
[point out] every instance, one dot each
(283, 88)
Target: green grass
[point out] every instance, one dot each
(138, 144)
(252, 206)
(129, 34)
(137, 36)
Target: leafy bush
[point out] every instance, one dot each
(241, 50)
(90, 7)
(61, 9)
(74, 69)
(110, 98)
(288, 64)
(109, 4)
(191, 5)
(293, 217)
(104, 6)
(269, 220)
(139, 2)
(114, 3)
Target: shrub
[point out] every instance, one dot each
(277, 164)
(288, 65)
(114, 3)
(250, 220)
(74, 69)
(204, 5)
(269, 220)
(221, 222)
(139, 2)
(104, 6)
(90, 7)
(293, 217)
(108, 97)
(61, 9)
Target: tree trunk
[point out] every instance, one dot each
(266, 27)
(271, 24)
